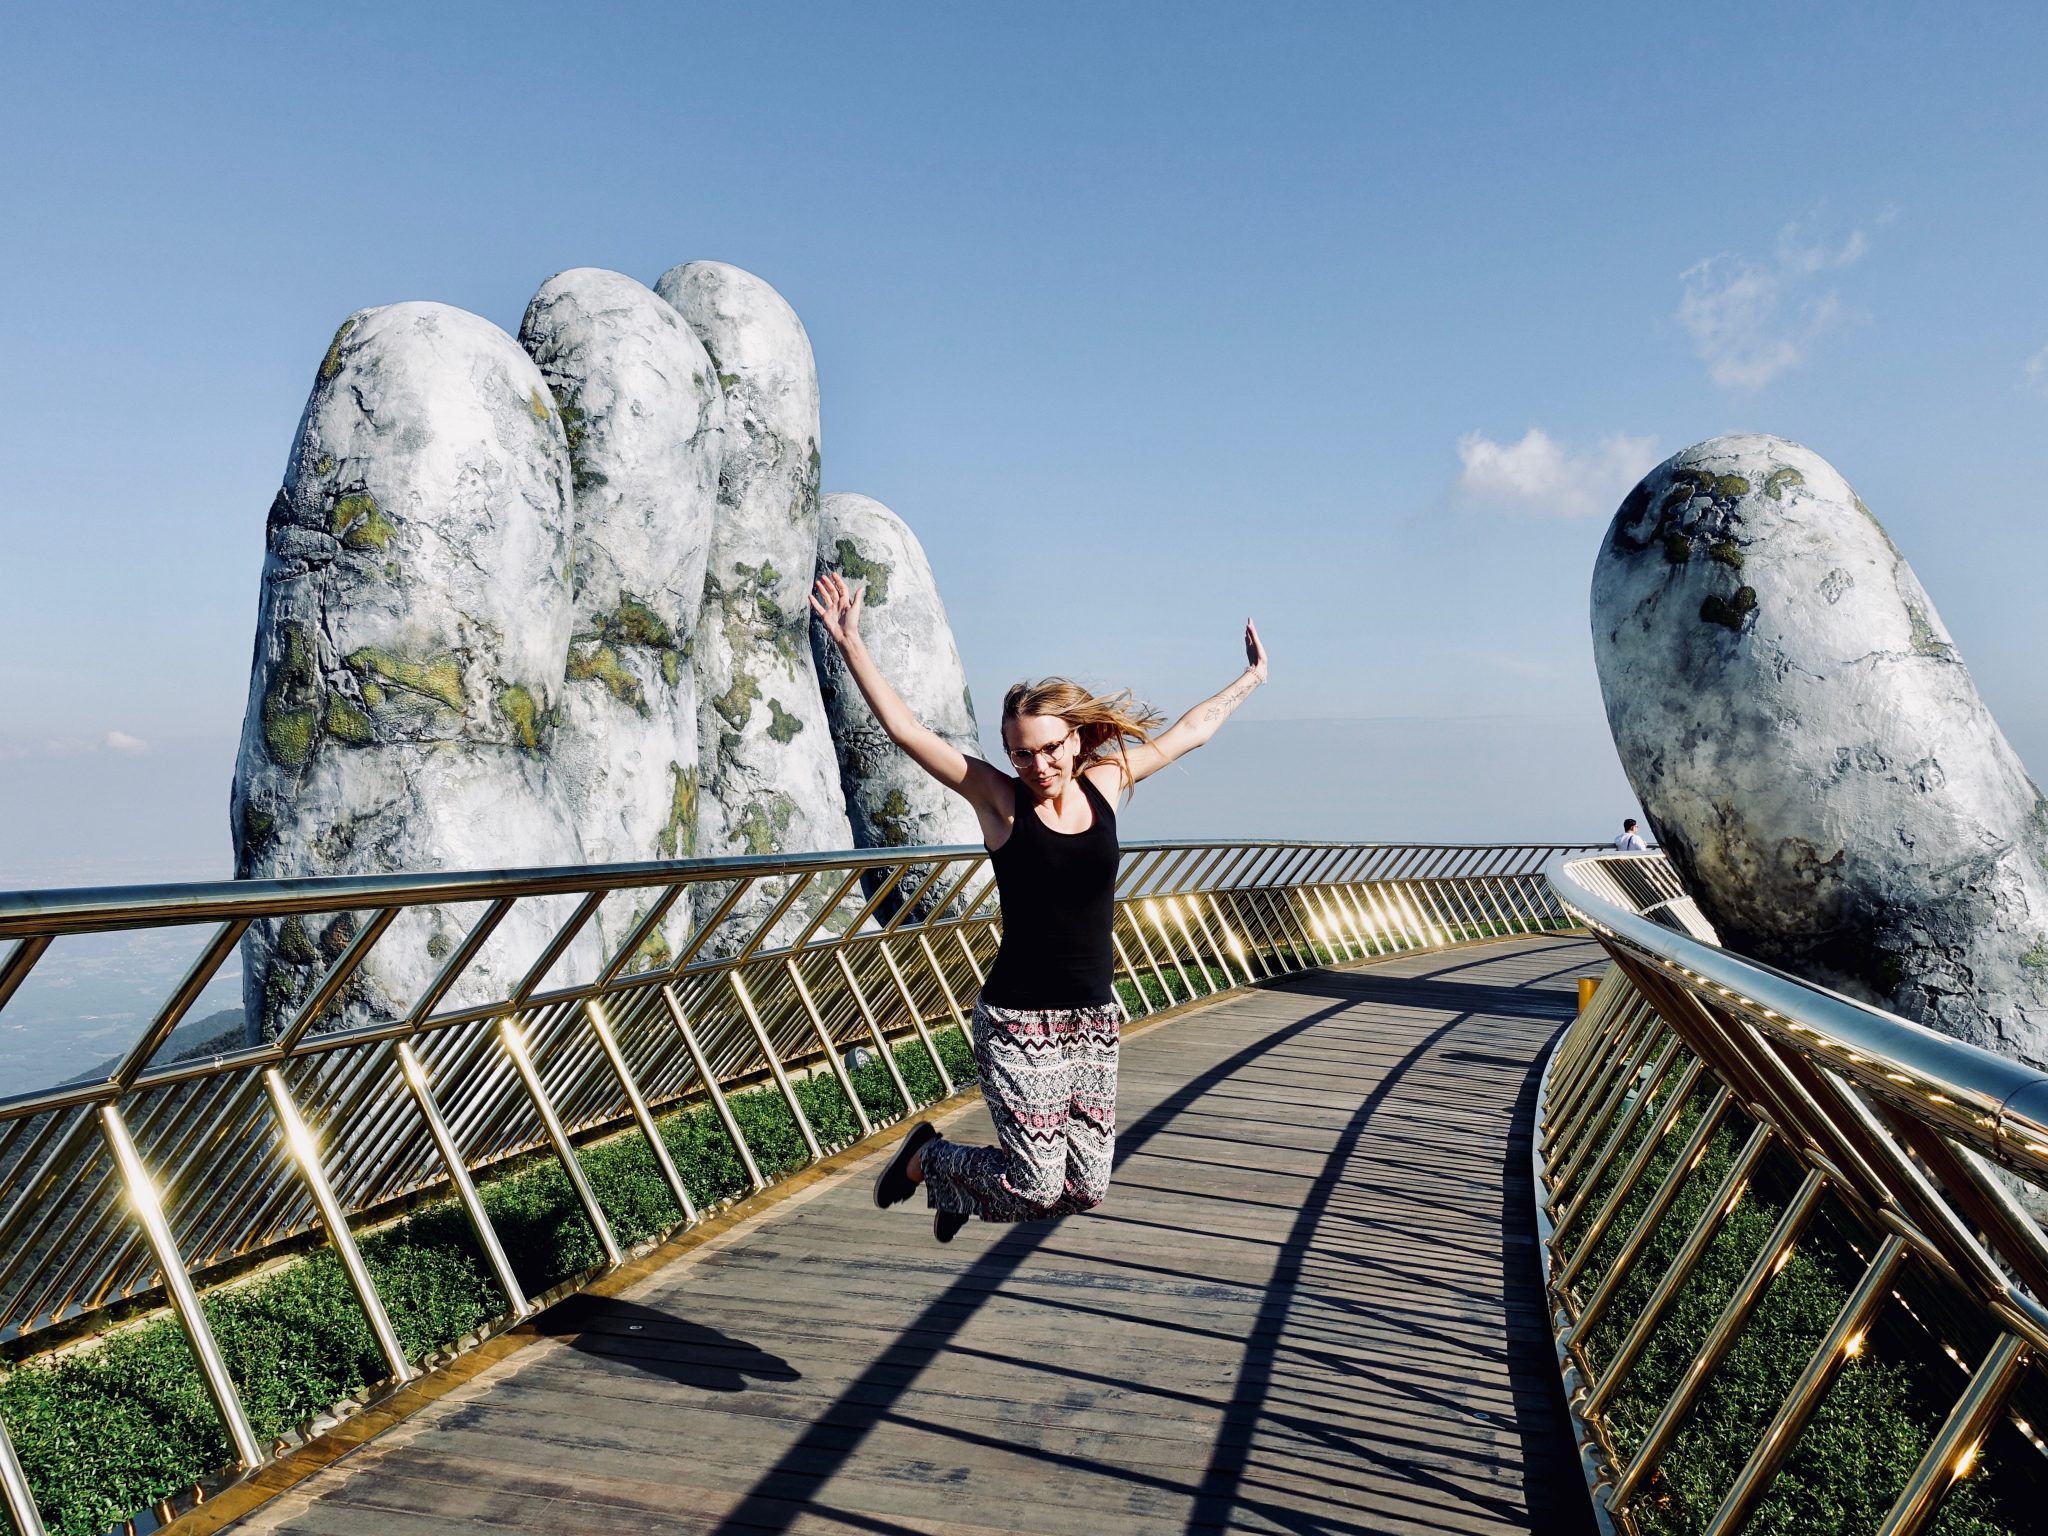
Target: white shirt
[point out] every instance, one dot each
(1631, 842)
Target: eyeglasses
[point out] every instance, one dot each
(1024, 757)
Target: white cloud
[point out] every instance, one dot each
(19, 747)
(2037, 370)
(1752, 320)
(1540, 475)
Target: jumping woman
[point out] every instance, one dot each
(1045, 1026)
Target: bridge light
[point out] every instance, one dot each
(1967, 1460)
(1854, 1346)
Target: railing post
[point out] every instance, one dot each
(882, 1048)
(514, 1041)
(21, 1499)
(916, 1017)
(416, 1080)
(760, 1031)
(144, 1201)
(642, 1116)
(298, 1137)
(1720, 1339)
(711, 1089)
(803, 993)
(1953, 1451)
(1843, 1340)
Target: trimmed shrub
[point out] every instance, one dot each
(1856, 1452)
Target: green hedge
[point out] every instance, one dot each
(1862, 1442)
(107, 1431)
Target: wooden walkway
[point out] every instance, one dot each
(1309, 1304)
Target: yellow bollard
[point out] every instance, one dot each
(1588, 985)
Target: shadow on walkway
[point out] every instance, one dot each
(1233, 1486)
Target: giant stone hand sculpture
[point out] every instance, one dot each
(549, 610)
(1806, 740)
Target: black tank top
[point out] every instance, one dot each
(1058, 893)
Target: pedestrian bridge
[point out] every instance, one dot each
(1402, 1237)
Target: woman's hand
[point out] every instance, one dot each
(1254, 651)
(838, 608)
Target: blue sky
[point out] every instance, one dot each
(1356, 318)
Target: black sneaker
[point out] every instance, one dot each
(893, 1185)
(946, 1225)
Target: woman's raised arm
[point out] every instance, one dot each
(838, 609)
(1195, 727)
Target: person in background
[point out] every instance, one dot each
(1630, 841)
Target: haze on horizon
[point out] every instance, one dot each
(1360, 321)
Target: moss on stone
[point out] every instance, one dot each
(436, 677)
(526, 718)
(2036, 959)
(257, 827)
(782, 725)
(634, 622)
(1732, 612)
(762, 825)
(854, 566)
(360, 523)
(291, 701)
(671, 668)
(373, 695)
(348, 724)
(325, 465)
(537, 403)
(330, 365)
(1926, 641)
(652, 955)
(726, 381)
(288, 733)
(1728, 487)
(601, 664)
(294, 943)
(735, 706)
(335, 937)
(892, 821)
(678, 837)
(1727, 552)
(1778, 479)
(1677, 547)
(439, 946)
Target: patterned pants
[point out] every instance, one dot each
(1048, 1076)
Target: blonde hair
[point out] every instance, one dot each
(1106, 721)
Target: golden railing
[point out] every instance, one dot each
(150, 1182)
(1918, 1160)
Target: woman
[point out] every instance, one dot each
(1045, 1027)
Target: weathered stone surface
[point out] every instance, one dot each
(643, 415)
(415, 610)
(892, 802)
(1806, 740)
(770, 778)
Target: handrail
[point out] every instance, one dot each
(154, 1180)
(1914, 1136)
(1970, 1092)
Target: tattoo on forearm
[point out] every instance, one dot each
(1228, 700)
